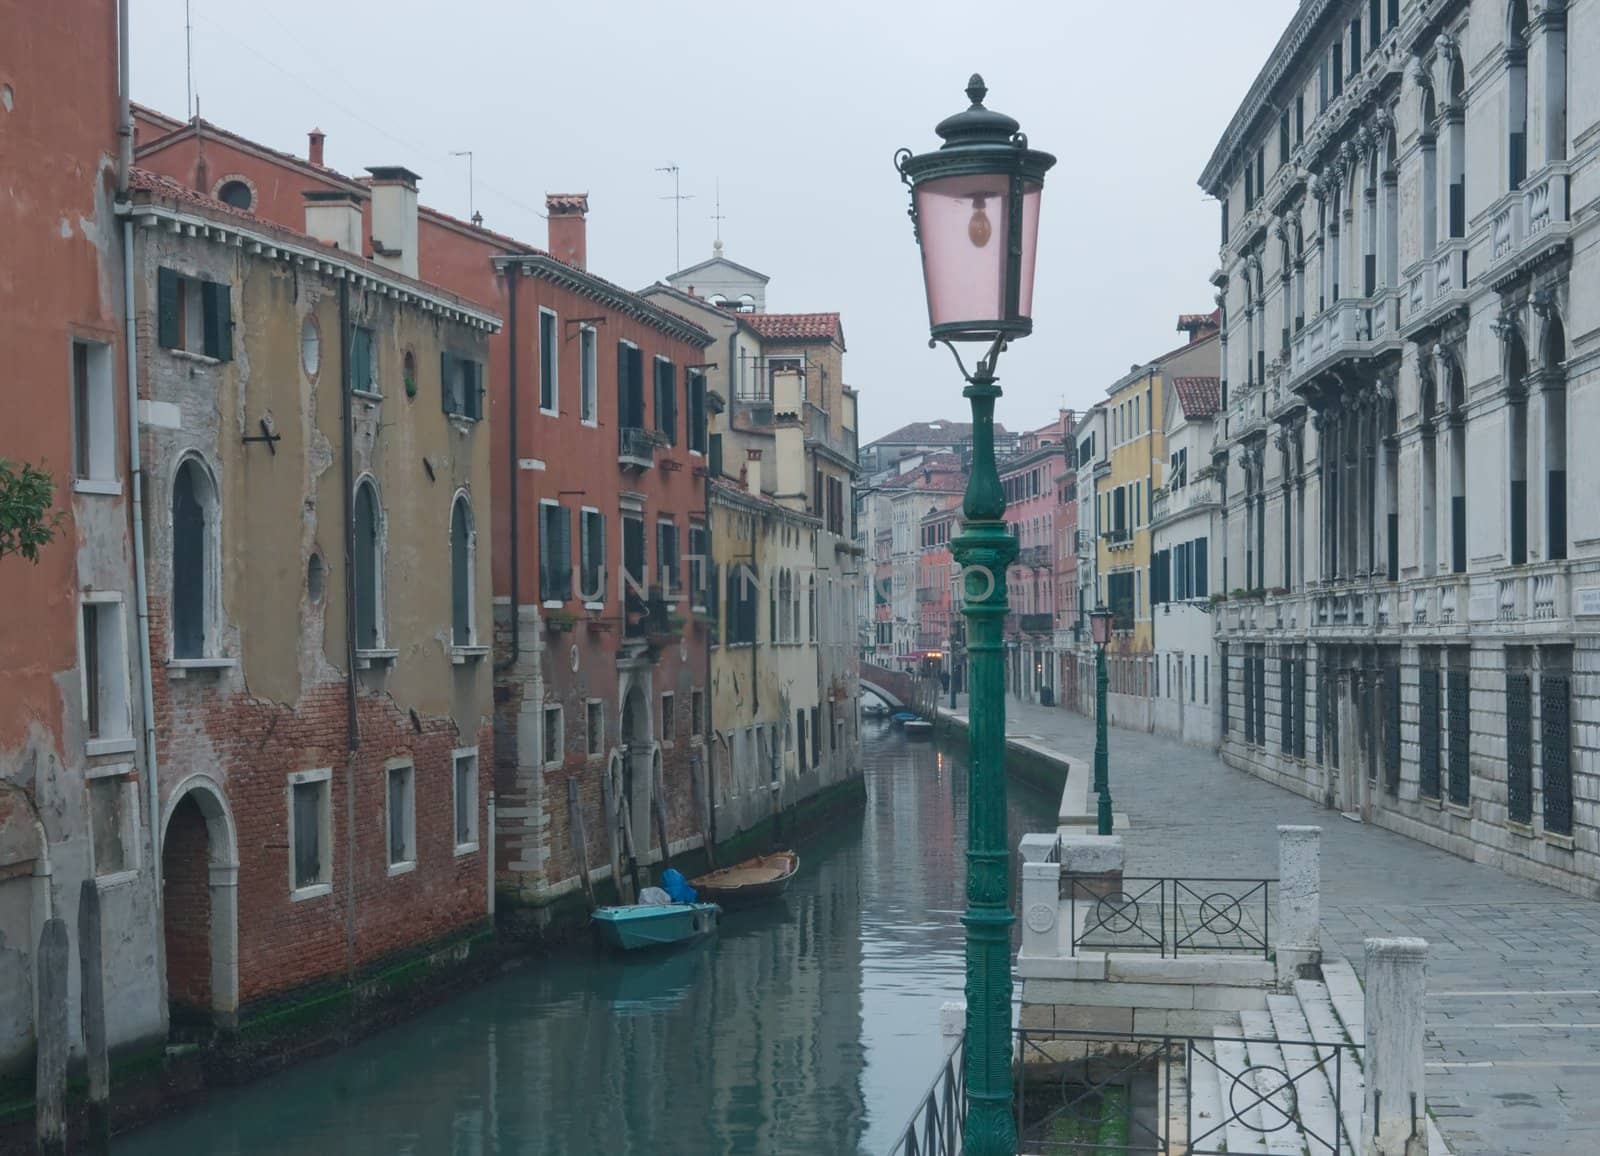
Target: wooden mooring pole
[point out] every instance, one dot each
(50, 1073)
(92, 1005)
(580, 839)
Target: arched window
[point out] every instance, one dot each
(1517, 456)
(368, 567)
(1554, 388)
(1456, 114)
(463, 568)
(1390, 267)
(1517, 93)
(1555, 85)
(194, 560)
(1430, 174)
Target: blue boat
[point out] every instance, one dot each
(645, 925)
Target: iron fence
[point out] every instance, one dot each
(935, 1127)
(1179, 1095)
(1173, 916)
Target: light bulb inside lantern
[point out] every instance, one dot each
(978, 229)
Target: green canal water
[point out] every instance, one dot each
(809, 1027)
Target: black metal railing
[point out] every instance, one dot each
(1173, 916)
(935, 1127)
(1177, 1095)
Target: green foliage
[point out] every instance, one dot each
(26, 520)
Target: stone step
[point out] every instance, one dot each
(1314, 1071)
(1205, 1094)
(1348, 998)
(1243, 1134)
(1316, 1004)
(1269, 1077)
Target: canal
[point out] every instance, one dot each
(809, 1027)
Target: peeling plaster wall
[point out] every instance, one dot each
(63, 281)
(277, 705)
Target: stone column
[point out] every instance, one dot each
(1041, 907)
(1394, 1118)
(1297, 939)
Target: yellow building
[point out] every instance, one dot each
(1136, 448)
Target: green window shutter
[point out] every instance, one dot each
(447, 366)
(475, 390)
(564, 554)
(167, 308)
(546, 586)
(217, 316)
(716, 455)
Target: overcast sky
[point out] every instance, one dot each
(797, 109)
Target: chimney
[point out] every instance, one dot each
(789, 439)
(568, 230)
(334, 218)
(394, 218)
(752, 472)
(316, 137)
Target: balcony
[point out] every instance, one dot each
(1352, 327)
(1436, 286)
(645, 615)
(1530, 221)
(1034, 557)
(1038, 623)
(929, 593)
(636, 448)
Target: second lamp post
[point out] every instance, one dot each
(1100, 620)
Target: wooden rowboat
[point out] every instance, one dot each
(752, 881)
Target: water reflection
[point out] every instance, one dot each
(806, 1027)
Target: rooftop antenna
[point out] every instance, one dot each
(188, 61)
(677, 214)
(472, 211)
(718, 217)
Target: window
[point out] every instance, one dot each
(310, 834)
(630, 386)
(1299, 119)
(194, 316)
(697, 412)
(402, 781)
(594, 734)
(588, 376)
(554, 741)
(194, 560)
(635, 579)
(463, 569)
(816, 738)
(699, 559)
(1283, 137)
(592, 549)
(697, 714)
(94, 419)
(668, 700)
(1336, 69)
(465, 790)
(667, 559)
(666, 399)
(104, 666)
(743, 592)
(548, 363)
(555, 554)
(461, 386)
(235, 193)
(368, 567)
(113, 818)
(363, 363)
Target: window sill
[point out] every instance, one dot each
(121, 746)
(367, 659)
(404, 868)
(183, 667)
(367, 395)
(197, 358)
(552, 604)
(116, 879)
(314, 891)
(463, 423)
(109, 488)
(1563, 842)
(461, 655)
(466, 848)
(1458, 810)
(589, 423)
(1516, 828)
(592, 605)
(544, 412)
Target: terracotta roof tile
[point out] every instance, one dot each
(1188, 322)
(793, 326)
(1199, 396)
(567, 202)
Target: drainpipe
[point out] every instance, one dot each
(352, 729)
(513, 275)
(709, 728)
(135, 468)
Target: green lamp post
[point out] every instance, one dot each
(975, 213)
(1100, 620)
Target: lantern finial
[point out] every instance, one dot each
(976, 90)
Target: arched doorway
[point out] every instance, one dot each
(637, 747)
(199, 873)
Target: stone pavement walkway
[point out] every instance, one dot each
(1513, 1045)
